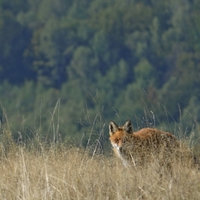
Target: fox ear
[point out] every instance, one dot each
(112, 128)
(128, 127)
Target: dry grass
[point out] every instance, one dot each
(60, 173)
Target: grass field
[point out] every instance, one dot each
(60, 172)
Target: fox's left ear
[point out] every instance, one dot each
(112, 128)
(128, 127)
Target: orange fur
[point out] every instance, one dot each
(142, 145)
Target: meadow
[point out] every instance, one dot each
(59, 171)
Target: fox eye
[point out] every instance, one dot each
(117, 140)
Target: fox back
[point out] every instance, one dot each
(143, 145)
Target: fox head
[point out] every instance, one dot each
(118, 133)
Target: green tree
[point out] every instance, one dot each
(12, 49)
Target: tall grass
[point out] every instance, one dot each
(61, 170)
(68, 172)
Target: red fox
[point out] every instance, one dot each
(143, 145)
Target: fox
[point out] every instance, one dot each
(144, 145)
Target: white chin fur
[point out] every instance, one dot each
(115, 146)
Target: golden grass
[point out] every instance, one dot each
(60, 173)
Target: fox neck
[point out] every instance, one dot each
(119, 155)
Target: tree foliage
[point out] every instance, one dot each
(98, 60)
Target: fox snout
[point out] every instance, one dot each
(116, 146)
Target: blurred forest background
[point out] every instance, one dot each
(68, 67)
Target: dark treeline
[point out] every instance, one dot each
(67, 67)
